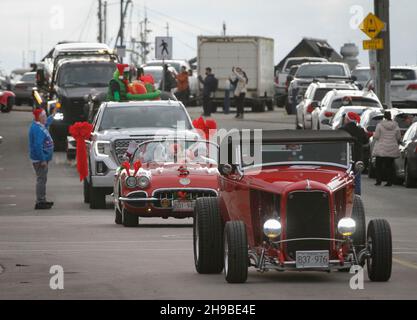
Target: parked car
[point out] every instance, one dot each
(370, 118)
(405, 118)
(338, 120)
(294, 211)
(15, 76)
(307, 73)
(116, 125)
(312, 99)
(176, 64)
(156, 73)
(170, 175)
(281, 76)
(404, 87)
(362, 75)
(334, 100)
(7, 101)
(23, 88)
(406, 165)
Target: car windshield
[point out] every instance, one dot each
(155, 73)
(295, 62)
(403, 75)
(320, 70)
(177, 151)
(320, 93)
(354, 101)
(372, 124)
(169, 117)
(405, 120)
(29, 77)
(175, 65)
(301, 153)
(362, 75)
(86, 75)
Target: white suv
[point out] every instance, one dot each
(116, 126)
(334, 100)
(404, 86)
(312, 99)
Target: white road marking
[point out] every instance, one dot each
(405, 263)
(7, 196)
(8, 205)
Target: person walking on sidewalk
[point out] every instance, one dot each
(240, 91)
(41, 148)
(388, 137)
(210, 84)
(351, 126)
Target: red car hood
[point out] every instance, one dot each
(287, 178)
(168, 176)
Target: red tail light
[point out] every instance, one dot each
(412, 87)
(370, 134)
(310, 109)
(329, 114)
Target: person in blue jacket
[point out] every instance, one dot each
(41, 148)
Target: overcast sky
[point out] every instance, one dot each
(30, 28)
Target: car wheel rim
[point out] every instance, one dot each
(226, 257)
(371, 252)
(196, 241)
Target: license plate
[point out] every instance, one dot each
(179, 206)
(312, 259)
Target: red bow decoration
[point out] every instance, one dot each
(126, 166)
(182, 195)
(205, 127)
(81, 131)
(137, 165)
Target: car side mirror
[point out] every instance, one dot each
(226, 169)
(359, 167)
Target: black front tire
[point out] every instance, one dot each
(86, 191)
(409, 180)
(235, 252)
(208, 236)
(97, 198)
(129, 220)
(380, 245)
(118, 217)
(358, 214)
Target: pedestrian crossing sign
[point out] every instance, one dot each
(163, 48)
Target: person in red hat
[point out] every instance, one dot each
(351, 126)
(118, 85)
(41, 148)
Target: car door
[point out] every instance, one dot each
(400, 84)
(400, 162)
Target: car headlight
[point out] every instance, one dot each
(272, 228)
(131, 182)
(59, 116)
(102, 148)
(346, 227)
(144, 182)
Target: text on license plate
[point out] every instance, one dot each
(179, 205)
(312, 259)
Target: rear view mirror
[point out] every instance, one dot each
(226, 169)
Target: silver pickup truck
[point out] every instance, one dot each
(116, 126)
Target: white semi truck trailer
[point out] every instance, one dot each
(255, 55)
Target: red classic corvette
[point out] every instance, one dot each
(7, 100)
(293, 208)
(164, 179)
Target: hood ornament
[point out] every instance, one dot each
(308, 187)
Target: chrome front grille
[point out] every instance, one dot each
(135, 195)
(190, 195)
(121, 146)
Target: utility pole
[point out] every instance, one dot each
(383, 67)
(105, 22)
(144, 31)
(122, 23)
(100, 22)
(224, 29)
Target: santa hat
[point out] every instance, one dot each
(353, 117)
(123, 68)
(37, 113)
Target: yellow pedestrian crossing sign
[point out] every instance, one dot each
(372, 26)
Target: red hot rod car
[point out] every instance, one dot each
(164, 179)
(295, 210)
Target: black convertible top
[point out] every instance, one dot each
(292, 136)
